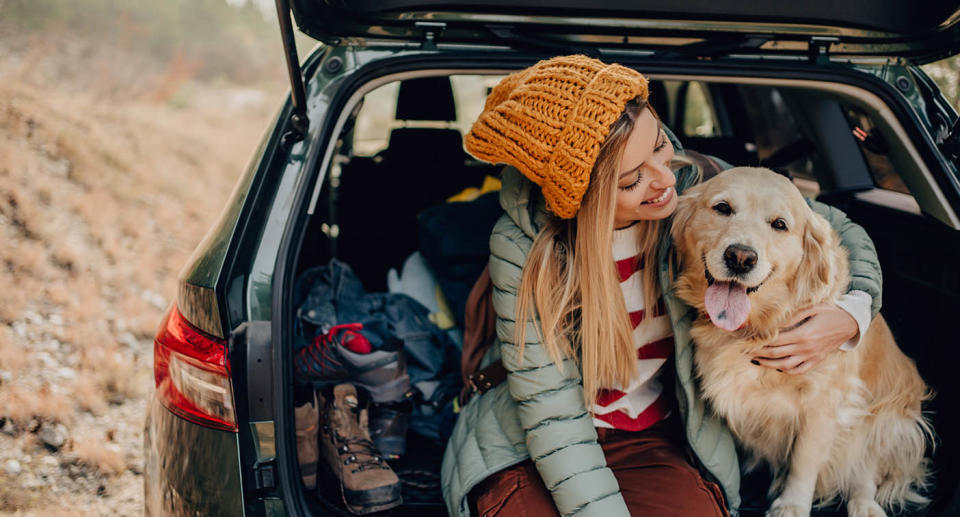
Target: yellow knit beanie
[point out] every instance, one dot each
(549, 120)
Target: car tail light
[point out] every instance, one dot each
(192, 373)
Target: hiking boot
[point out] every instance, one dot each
(307, 418)
(388, 427)
(345, 354)
(367, 483)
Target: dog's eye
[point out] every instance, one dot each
(723, 208)
(779, 225)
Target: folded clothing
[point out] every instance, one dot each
(330, 298)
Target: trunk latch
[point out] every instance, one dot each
(430, 32)
(819, 48)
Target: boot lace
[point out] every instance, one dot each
(320, 358)
(356, 447)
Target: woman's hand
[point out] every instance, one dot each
(812, 334)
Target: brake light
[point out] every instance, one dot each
(192, 373)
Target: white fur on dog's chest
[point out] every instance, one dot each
(765, 408)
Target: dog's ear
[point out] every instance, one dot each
(686, 206)
(818, 265)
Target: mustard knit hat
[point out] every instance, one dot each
(549, 120)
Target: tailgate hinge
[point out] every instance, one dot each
(298, 117)
(819, 48)
(430, 32)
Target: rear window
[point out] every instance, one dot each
(377, 116)
(873, 146)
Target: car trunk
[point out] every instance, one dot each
(337, 209)
(324, 231)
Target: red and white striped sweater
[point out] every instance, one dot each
(642, 403)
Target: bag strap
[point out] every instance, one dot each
(483, 381)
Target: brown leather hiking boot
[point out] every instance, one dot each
(367, 483)
(307, 419)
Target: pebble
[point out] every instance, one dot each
(53, 436)
(12, 467)
(48, 361)
(32, 481)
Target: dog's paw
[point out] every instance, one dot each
(781, 508)
(864, 508)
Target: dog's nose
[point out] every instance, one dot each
(739, 259)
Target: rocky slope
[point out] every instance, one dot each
(101, 202)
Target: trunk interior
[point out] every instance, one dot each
(401, 154)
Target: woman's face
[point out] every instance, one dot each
(645, 181)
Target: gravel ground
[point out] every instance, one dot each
(101, 203)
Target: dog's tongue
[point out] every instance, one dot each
(727, 304)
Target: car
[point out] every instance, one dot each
(830, 94)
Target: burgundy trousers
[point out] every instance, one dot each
(654, 475)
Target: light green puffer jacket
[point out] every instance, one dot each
(539, 412)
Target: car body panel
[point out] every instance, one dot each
(321, 87)
(190, 469)
(200, 277)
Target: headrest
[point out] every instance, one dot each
(658, 100)
(427, 98)
(410, 144)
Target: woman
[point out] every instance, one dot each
(594, 418)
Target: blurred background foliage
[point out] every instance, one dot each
(133, 43)
(946, 73)
(124, 125)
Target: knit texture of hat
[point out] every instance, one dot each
(549, 121)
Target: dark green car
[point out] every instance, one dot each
(829, 92)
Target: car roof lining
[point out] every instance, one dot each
(903, 153)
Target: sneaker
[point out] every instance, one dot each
(307, 418)
(344, 354)
(367, 483)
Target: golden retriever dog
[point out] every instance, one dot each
(752, 253)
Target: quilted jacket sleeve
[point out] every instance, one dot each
(865, 273)
(559, 430)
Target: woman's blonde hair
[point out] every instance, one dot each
(571, 279)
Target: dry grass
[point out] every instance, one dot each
(92, 452)
(12, 358)
(22, 404)
(101, 203)
(88, 395)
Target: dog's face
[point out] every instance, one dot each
(744, 238)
